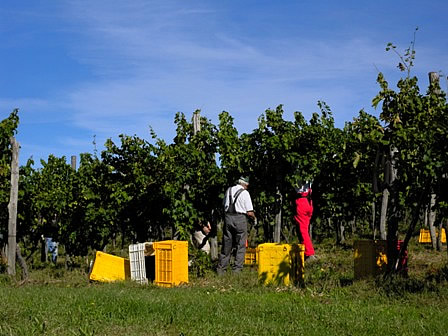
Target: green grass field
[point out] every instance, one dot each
(59, 302)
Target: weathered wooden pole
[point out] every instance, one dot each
(431, 214)
(212, 239)
(73, 162)
(434, 79)
(385, 200)
(12, 207)
(278, 216)
(196, 121)
(67, 256)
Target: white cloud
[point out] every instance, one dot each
(151, 67)
(149, 60)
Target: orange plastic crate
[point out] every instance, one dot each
(171, 262)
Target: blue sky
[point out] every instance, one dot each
(82, 70)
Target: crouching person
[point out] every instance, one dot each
(200, 237)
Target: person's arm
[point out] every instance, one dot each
(225, 200)
(311, 208)
(206, 228)
(248, 205)
(251, 214)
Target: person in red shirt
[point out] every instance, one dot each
(302, 217)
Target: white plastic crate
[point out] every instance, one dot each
(137, 253)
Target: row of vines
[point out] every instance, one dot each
(139, 190)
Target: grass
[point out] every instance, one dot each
(58, 302)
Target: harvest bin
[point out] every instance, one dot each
(171, 262)
(280, 264)
(141, 258)
(107, 267)
(370, 258)
(250, 257)
(425, 236)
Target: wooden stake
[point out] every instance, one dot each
(12, 207)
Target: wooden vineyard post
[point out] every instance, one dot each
(431, 213)
(12, 207)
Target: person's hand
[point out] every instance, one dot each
(206, 229)
(251, 214)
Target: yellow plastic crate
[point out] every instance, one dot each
(107, 267)
(370, 257)
(250, 257)
(171, 261)
(425, 236)
(280, 264)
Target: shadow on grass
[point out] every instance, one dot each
(345, 282)
(400, 286)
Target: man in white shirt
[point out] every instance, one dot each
(237, 207)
